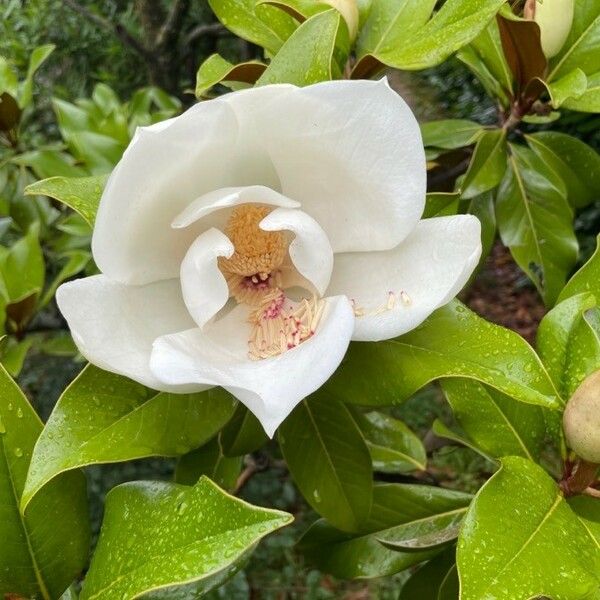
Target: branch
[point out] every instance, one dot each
(115, 28)
(172, 23)
(212, 29)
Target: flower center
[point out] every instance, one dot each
(253, 275)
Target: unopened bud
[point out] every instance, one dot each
(555, 18)
(349, 11)
(581, 420)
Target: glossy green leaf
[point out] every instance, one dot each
(389, 372)
(450, 134)
(520, 539)
(102, 417)
(50, 163)
(242, 434)
(589, 101)
(581, 48)
(536, 222)
(554, 335)
(307, 56)
(394, 506)
(216, 69)
(483, 207)
(44, 550)
(176, 541)
(82, 194)
(496, 423)
(209, 460)
(576, 163)
(488, 164)
(329, 461)
(264, 26)
(439, 204)
(455, 25)
(441, 430)
(433, 580)
(393, 446)
(587, 510)
(587, 279)
(99, 152)
(573, 85)
(76, 262)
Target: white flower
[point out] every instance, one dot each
(246, 242)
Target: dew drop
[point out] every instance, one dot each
(18, 452)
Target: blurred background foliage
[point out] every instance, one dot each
(117, 64)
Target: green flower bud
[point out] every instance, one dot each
(581, 420)
(555, 18)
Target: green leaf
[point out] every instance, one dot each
(433, 580)
(441, 430)
(38, 56)
(587, 279)
(589, 101)
(176, 541)
(216, 69)
(102, 417)
(243, 434)
(209, 460)
(455, 25)
(450, 134)
(22, 268)
(389, 372)
(14, 354)
(520, 539)
(307, 56)
(393, 446)
(581, 48)
(536, 222)
(329, 461)
(488, 164)
(77, 260)
(82, 194)
(496, 423)
(99, 152)
(576, 163)
(483, 207)
(44, 550)
(48, 163)
(573, 85)
(440, 204)
(264, 26)
(554, 336)
(587, 510)
(402, 506)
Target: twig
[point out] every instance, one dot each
(116, 28)
(172, 23)
(212, 29)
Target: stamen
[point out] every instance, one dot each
(278, 325)
(252, 290)
(388, 305)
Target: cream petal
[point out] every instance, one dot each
(310, 251)
(204, 288)
(114, 325)
(351, 153)
(398, 289)
(271, 387)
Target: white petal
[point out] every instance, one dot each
(164, 169)
(398, 289)
(217, 200)
(351, 153)
(204, 288)
(114, 325)
(271, 387)
(309, 251)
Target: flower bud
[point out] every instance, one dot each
(581, 420)
(349, 11)
(555, 18)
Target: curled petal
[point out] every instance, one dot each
(310, 251)
(215, 201)
(114, 325)
(270, 387)
(204, 288)
(394, 291)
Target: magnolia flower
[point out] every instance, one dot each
(244, 243)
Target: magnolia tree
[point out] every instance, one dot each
(271, 270)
